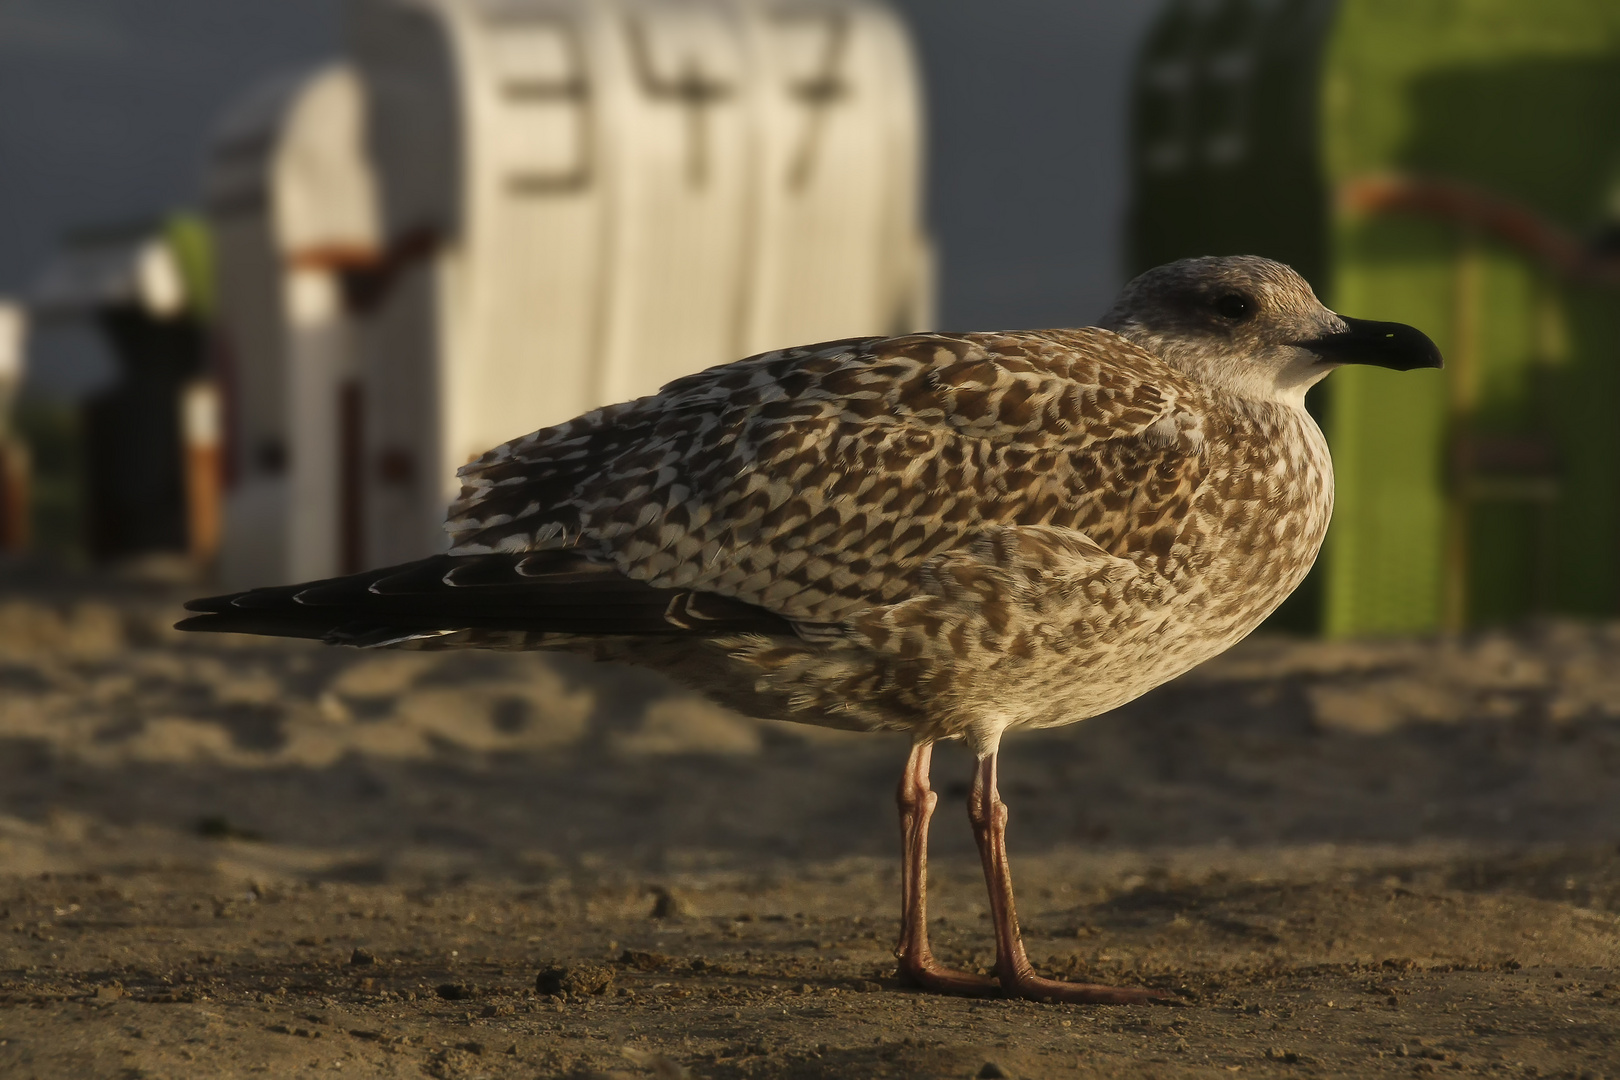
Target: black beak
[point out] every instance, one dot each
(1383, 344)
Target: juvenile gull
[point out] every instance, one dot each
(951, 535)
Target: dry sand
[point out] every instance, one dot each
(224, 857)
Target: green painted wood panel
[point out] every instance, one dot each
(1521, 101)
(1382, 572)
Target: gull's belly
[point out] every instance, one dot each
(1210, 613)
(1072, 688)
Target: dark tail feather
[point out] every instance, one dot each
(555, 592)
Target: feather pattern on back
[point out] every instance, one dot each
(939, 516)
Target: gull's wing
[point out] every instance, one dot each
(818, 482)
(786, 492)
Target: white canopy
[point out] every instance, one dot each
(583, 199)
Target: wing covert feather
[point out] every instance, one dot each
(821, 481)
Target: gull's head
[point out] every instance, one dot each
(1253, 327)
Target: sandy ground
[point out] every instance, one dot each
(223, 857)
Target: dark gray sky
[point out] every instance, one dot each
(105, 106)
(1028, 101)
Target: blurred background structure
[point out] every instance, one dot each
(1452, 166)
(149, 438)
(423, 227)
(489, 219)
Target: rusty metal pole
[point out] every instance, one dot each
(15, 470)
(203, 462)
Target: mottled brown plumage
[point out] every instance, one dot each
(967, 532)
(953, 535)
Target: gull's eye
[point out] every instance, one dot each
(1234, 306)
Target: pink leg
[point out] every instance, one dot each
(917, 963)
(1013, 970)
